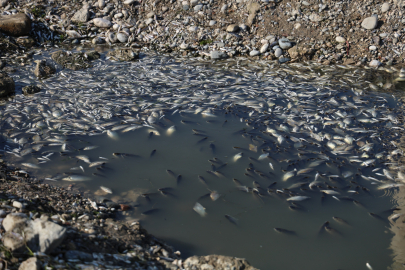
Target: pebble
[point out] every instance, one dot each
(129, 2)
(148, 21)
(284, 43)
(184, 46)
(122, 37)
(372, 48)
(218, 55)
(315, 17)
(97, 40)
(102, 23)
(340, 39)
(283, 60)
(232, 28)
(198, 7)
(375, 63)
(193, 28)
(385, 7)
(264, 48)
(369, 23)
(278, 52)
(254, 53)
(17, 204)
(212, 23)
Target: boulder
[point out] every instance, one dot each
(82, 15)
(40, 235)
(7, 86)
(216, 262)
(31, 264)
(15, 25)
(30, 89)
(75, 61)
(43, 69)
(126, 54)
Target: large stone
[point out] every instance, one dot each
(232, 28)
(14, 220)
(369, 23)
(31, 264)
(3, 3)
(251, 19)
(82, 15)
(15, 25)
(301, 51)
(30, 89)
(215, 55)
(102, 23)
(43, 69)
(253, 7)
(216, 262)
(284, 43)
(122, 37)
(75, 61)
(7, 87)
(126, 54)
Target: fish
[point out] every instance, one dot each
(231, 219)
(341, 221)
(172, 174)
(214, 195)
(91, 147)
(149, 212)
(284, 231)
(298, 198)
(288, 175)
(84, 158)
(112, 134)
(106, 189)
(97, 163)
(263, 156)
(31, 165)
(199, 209)
(76, 178)
(237, 156)
(171, 130)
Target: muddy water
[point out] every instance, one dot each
(156, 168)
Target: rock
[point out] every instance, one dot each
(224, 8)
(7, 87)
(17, 204)
(3, 213)
(122, 37)
(212, 23)
(97, 40)
(283, 60)
(43, 69)
(369, 23)
(278, 52)
(129, 2)
(232, 28)
(264, 48)
(216, 262)
(150, 15)
(193, 3)
(284, 43)
(301, 51)
(112, 37)
(164, 9)
(101, 3)
(218, 55)
(31, 264)
(126, 54)
(3, 3)
(253, 7)
(372, 48)
(315, 17)
(102, 23)
(39, 234)
(125, 207)
(148, 21)
(254, 53)
(251, 19)
(82, 15)
(340, 39)
(375, 63)
(30, 89)
(78, 255)
(193, 28)
(385, 7)
(2, 64)
(198, 7)
(15, 25)
(75, 61)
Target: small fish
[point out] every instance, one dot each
(84, 158)
(271, 166)
(96, 163)
(288, 175)
(76, 178)
(172, 174)
(369, 266)
(202, 180)
(214, 195)
(91, 147)
(237, 156)
(151, 211)
(232, 219)
(30, 165)
(284, 231)
(341, 221)
(106, 189)
(153, 153)
(199, 209)
(330, 192)
(112, 134)
(171, 130)
(298, 198)
(263, 156)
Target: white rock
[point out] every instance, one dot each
(340, 39)
(17, 204)
(148, 21)
(278, 52)
(116, 26)
(212, 22)
(315, 17)
(369, 23)
(372, 48)
(193, 3)
(118, 15)
(122, 37)
(129, 2)
(184, 46)
(264, 48)
(101, 3)
(297, 26)
(374, 63)
(385, 7)
(193, 28)
(73, 34)
(102, 23)
(254, 53)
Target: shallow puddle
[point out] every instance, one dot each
(285, 174)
